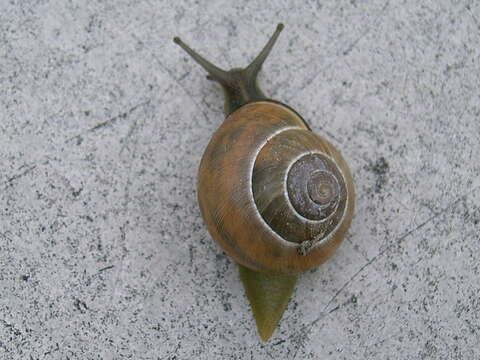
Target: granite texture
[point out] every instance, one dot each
(103, 121)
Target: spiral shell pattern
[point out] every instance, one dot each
(268, 185)
(298, 189)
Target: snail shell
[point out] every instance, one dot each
(277, 197)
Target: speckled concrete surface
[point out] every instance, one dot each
(102, 124)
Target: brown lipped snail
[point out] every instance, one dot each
(277, 197)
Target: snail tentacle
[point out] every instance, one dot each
(256, 65)
(239, 84)
(215, 73)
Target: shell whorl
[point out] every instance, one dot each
(298, 189)
(316, 187)
(259, 170)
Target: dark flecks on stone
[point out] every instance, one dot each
(380, 169)
(381, 166)
(76, 193)
(353, 299)
(80, 305)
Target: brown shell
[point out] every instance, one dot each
(267, 136)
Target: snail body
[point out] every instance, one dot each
(277, 197)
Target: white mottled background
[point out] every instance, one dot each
(103, 120)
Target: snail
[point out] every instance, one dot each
(277, 197)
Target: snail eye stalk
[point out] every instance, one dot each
(214, 72)
(239, 85)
